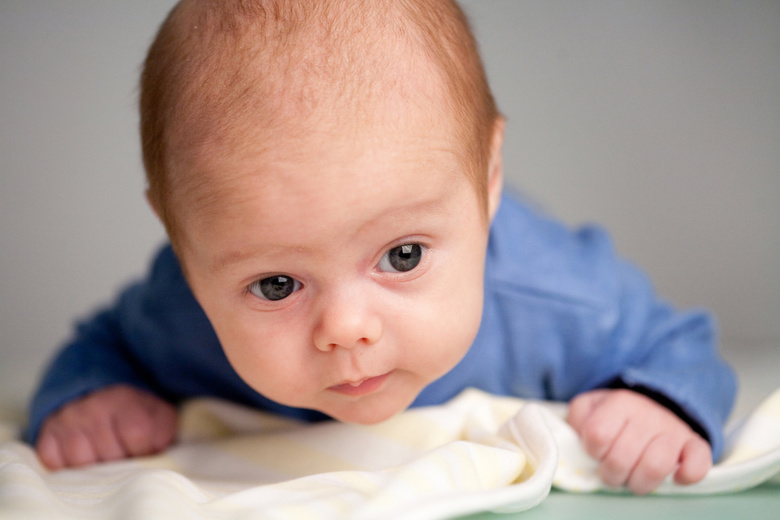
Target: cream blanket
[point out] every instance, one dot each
(475, 453)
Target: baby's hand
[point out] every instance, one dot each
(637, 441)
(110, 424)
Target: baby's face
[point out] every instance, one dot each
(342, 273)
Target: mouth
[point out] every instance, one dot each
(360, 387)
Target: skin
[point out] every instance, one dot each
(638, 442)
(111, 424)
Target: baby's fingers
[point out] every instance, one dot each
(146, 429)
(581, 407)
(49, 451)
(695, 461)
(105, 441)
(597, 425)
(73, 448)
(658, 461)
(689, 458)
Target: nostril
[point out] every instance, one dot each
(346, 327)
(330, 347)
(325, 347)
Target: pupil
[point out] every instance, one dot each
(277, 287)
(405, 257)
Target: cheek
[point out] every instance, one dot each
(446, 325)
(270, 356)
(267, 358)
(466, 281)
(441, 338)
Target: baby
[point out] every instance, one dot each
(329, 174)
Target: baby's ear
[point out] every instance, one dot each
(495, 167)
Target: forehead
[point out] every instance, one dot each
(315, 137)
(297, 190)
(341, 165)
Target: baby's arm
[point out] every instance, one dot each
(637, 441)
(112, 423)
(97, 391)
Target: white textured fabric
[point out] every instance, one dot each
(476, 453)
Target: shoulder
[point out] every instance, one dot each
(165, 276)
(532, 254)
(166, 267)
(163, 291)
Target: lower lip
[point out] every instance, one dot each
(366, 387)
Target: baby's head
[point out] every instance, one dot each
(326, 171)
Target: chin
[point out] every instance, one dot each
(369, 412)
(366, 417)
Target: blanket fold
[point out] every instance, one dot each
(476, 453)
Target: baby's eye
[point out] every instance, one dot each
(402, 258)
(273, 288)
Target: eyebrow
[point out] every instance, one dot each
(233, 257)
(242, 255)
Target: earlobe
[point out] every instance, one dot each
(495, 167)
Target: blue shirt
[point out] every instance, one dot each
(562, 315)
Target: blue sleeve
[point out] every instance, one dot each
(96, 357)
(154, 337)
(646, 345)
(564, 314)
(603, 325)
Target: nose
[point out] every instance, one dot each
(346, 319)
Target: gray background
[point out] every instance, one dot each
(659, 120)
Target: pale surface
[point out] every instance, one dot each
(475, 453)
(761, 503)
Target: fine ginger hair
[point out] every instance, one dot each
(219, 72)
